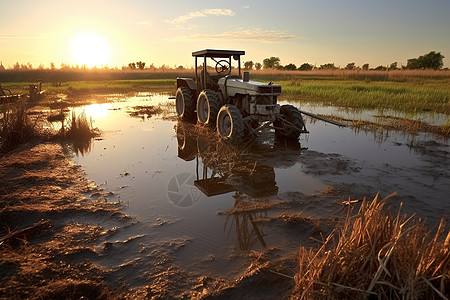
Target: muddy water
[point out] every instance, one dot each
(203, 205)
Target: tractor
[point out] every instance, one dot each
(230, 102)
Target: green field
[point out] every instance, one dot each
(72, 88)
(414, 94)
(424, 95)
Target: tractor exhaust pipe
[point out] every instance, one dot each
(246, 76)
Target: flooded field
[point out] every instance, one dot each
(203, 206)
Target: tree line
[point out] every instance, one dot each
(433, 60)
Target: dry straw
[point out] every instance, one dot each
(16, 126)
(377, 256)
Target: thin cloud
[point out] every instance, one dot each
(202, 13)
(248, 35)
(219, 12)
(20, 37)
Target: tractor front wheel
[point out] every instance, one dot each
(293, 117)
(185, 103)
(230, 124)
(208, 105)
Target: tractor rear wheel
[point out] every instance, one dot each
(230, 124)
(208, 105)
(293, 116)
(185, 103)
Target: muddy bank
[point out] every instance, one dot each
(64, 259)
(39, 182)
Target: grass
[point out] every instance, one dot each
(361, 75)
(74, 88)
(377, 256)
(16, 127)
(79, 128)
(409, 96)
(115, 86)
(79, 131)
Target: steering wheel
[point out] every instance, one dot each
(223, 67)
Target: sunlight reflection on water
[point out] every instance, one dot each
(138, 158)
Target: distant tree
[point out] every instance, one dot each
(306, 67)
(350, 66)
(248, 65)
(180, 68)
(365, 67)
(271, 63)
(433, 60)
(140, 65)
(393, 66)
(290, 67)
(52, 65)
(2, 68)
(380, 68)
(413, 63)
(329, 66)
(132, 66)
(258, 66)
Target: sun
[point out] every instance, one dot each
(91, 50)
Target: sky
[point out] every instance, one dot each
(113, 32)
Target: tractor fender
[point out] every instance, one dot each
(186, 82)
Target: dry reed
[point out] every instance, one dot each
(377, 256)
(80, 132)
(16, 127)
(79, 128)
(357, 74)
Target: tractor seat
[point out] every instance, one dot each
(211, 81)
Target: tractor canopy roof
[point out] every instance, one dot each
(218, 53)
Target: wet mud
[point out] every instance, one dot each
(159, 208)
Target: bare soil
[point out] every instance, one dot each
(39, 182)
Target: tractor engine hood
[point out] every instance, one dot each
(232, 86)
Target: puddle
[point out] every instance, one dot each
(206, 204)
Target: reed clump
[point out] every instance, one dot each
(79, 131)
(16, 127)
(377, 256)
(79, 128)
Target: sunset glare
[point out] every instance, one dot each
(90, 50)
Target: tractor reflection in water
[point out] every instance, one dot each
(222, 169)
